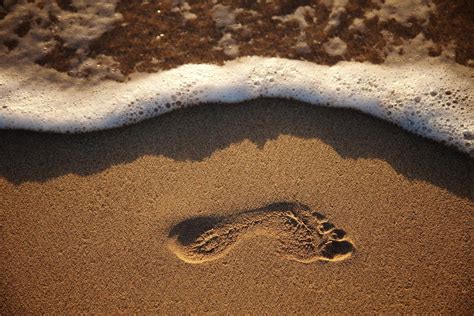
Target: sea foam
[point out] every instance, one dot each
(433, 100)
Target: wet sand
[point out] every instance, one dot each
(86, 220)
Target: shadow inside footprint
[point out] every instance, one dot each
(189, 230)
(336, 248)
(304, 235)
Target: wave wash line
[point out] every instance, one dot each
(431, 100)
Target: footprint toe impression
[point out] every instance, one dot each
(304, 235)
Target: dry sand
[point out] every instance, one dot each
(86, 219)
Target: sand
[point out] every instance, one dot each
(87, 222)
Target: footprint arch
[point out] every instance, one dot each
(303, 235)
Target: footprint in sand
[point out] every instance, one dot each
(304, 235)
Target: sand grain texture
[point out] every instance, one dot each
(86, 220)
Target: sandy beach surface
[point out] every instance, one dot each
(111, 221)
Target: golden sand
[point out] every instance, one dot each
(86, 221)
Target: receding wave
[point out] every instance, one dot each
(431, 100)
(78, 66)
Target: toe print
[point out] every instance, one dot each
(304, 235)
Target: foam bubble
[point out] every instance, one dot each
(433, 100)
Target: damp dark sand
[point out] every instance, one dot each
(86, 220)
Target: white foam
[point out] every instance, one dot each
(50, 27)
(403, 10)
(224, 16)
(433, 100)
(299, 16)
(335, 46)
(228, 45)
(338, 7)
